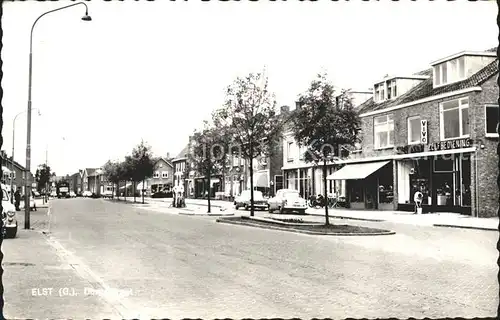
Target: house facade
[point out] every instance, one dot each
(433, 132)
(163, 177)
(182, 173)
(14, 172)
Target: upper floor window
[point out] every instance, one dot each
(491, 120)
(414, 128)
(164, 174)
(449, 71)
(289, 148)
(380, 92)
(454, 119)
(156, 174)
(391, 89)
(383, 127)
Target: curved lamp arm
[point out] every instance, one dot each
(86, 18)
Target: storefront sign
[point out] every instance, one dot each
(423, 132)
(451, 144)
(412, 148)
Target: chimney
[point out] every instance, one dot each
(284, 109)
(168, 155)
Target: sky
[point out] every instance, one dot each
(156, 70)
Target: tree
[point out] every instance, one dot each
(111, 173)
(250, 110)
(207, 156)
(226, 139)
(42, 176)
(322, 126)
(140, 165)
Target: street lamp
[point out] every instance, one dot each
(86, 17)
(12, 158)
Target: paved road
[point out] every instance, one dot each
(176, 266)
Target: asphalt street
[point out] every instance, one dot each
(160, 264)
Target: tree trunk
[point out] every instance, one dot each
(251, 183)
(232, 177)
(224, 176)
(325, 194)
(142, 190)
(208, 180)
(113, 191)
(133, 191)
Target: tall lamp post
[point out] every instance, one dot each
(86, 17)
(12, 158)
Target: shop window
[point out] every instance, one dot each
(491, 120)
(357, 192)
(443, 165)
(384, 131)
(414, 130)
(454, 119)
(385, 185)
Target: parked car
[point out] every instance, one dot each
(87, 194)
(287, 200)
(72, 194)
(243, 200)
(9, 229)
(53, 194)
(36, 194)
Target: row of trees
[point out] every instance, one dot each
(136, 167)
(248, 125)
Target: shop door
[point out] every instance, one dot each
(443, 191)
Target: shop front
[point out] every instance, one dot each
(201, 187)
(444, 180)
(369, 185)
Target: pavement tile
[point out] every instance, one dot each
(35, 283)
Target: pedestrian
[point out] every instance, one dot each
(17, 198)
(418, 198)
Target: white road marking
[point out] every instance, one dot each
(96, 283)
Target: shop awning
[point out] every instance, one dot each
(357, 171)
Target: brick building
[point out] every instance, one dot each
(163, 177)
(433, 132)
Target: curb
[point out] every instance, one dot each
(206, 214)
(304, 231)
(464, 227)
(347, 218)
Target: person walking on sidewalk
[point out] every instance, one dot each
(17, 198)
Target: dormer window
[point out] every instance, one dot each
(385, 90)
(449, 71)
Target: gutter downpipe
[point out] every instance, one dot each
(476, 213)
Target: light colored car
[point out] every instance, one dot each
(72, 194)
(287, 200)
(53, 194)
(36, 193)
(87, 193)
(9, 229)
(243, 200)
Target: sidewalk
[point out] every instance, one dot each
(34, 283)
(430, 219)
